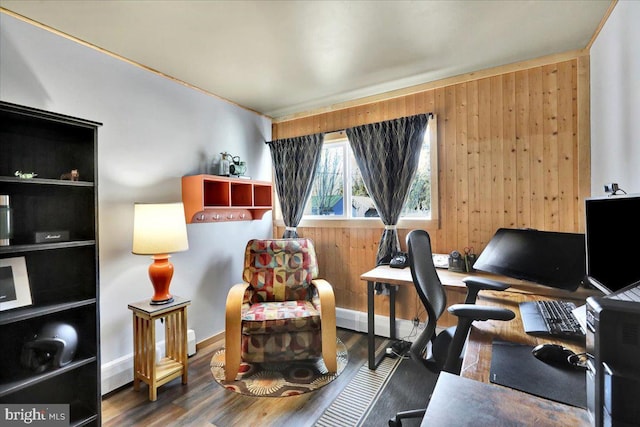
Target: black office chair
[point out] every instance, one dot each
(447, 347)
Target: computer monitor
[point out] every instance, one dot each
(549, 258)
(612, 225)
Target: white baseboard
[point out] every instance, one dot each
(119, 372)
(191, 342)
(358, 321)
(116, 373)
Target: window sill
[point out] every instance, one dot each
(407, 224)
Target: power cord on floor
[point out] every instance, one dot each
(398, 349)
(391, 353)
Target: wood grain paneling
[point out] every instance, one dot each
(513, 151)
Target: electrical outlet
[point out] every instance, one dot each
(416, 321)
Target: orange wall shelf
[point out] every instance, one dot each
(212, 198)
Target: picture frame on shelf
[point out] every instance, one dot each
(15, 290)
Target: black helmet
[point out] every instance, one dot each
(54, 346)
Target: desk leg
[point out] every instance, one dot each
(392, 312)
(375, 359)
(371, 325)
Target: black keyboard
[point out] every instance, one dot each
(558, 317)
(551, 318)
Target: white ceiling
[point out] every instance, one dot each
(284, 57)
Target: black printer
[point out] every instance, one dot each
(613, 347)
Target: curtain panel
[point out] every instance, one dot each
(387, 154)
(295, 161)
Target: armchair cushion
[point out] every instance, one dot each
(278, 317)
(280, 269)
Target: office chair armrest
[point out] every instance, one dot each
(482, 283)
(481, 312)
(476, 284)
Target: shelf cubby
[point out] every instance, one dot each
(212, 198)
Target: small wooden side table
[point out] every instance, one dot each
(174, 364)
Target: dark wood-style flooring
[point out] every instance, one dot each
(203, 402)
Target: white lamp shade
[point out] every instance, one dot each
(159, 228)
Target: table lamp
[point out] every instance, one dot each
(158, 230)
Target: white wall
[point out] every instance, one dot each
(154, 132)
(615, 101)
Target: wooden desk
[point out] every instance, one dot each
(476, 398)
(470, 399)
(458, 401)
(402, 277)
(477, 358)
(175, 363)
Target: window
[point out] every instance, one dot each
(339, 192)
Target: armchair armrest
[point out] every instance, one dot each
(328, 319)
(476, 284)
(232, 333)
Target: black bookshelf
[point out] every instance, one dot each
(62, 274)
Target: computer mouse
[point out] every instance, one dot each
(553, 354)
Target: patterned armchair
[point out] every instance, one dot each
(283, 311)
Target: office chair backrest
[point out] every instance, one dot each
(424, 273)
(427, 284)
(447, 348)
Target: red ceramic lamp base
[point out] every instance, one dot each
(160, 273)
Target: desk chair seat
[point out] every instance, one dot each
(447, 347)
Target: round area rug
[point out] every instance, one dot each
(278, 379)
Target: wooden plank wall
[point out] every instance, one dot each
(513, 151)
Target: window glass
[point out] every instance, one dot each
(361, 203)
(339, 191)
(327, 196)
(418, 203)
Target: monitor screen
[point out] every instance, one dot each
(612, 224)
(548, 258)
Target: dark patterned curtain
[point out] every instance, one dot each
(295, 161)
(387, 154)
